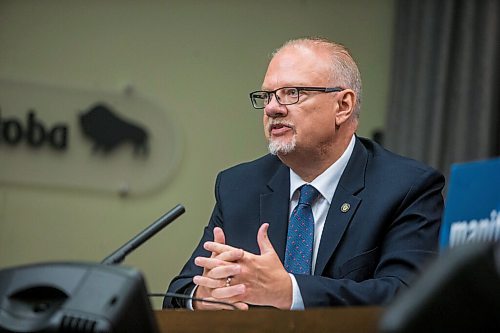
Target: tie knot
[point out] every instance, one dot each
(307, 194)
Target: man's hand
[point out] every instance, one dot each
(255, 279)
(215, 275)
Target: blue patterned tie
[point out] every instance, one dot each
(299, 243)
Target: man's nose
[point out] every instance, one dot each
(274, 109)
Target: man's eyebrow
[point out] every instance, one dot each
(293, 84)
(269, 89)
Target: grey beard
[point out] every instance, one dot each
(276, 148)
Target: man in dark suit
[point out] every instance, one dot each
(327, 218)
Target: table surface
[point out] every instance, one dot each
(345, 320)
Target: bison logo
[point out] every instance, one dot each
(107, 130)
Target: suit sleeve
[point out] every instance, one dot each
(410, 241)
(183, 283)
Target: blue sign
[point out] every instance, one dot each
(472, 211)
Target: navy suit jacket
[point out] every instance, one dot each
(366, 254)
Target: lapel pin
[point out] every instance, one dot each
(345, 207)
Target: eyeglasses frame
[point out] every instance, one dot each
(299, 89)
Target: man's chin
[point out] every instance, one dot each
(281, 148)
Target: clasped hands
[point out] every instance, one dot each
(254, 279)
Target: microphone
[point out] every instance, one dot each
(119, 255)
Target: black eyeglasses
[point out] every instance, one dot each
(285, 95)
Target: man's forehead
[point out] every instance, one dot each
(295, 66)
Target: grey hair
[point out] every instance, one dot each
(345, 72)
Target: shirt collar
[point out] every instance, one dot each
(326, 183)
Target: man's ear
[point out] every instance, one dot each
(346, 103)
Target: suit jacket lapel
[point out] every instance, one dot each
(274, 209)
(337, 220)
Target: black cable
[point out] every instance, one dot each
(196, 299)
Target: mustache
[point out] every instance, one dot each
(274, 121)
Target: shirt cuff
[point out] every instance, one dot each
(297, 302)
(189, 302)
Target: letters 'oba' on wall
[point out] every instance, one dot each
(84, 140)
